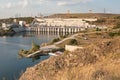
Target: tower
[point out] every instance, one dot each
(104, 10)
(68, 13)
(90, 11)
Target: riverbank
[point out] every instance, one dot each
(99, 57)
(36, 50)
(6, 32)
(58, 44)
(98, 60)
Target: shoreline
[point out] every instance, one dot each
(74, 61)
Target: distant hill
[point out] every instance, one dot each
(84, 15)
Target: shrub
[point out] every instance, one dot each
(35, 46)
(100, 21)
(112, 34)
(98, 29)
(118, 17)
(56, 40)
(117, 26)
(73, 42)
(61, 36)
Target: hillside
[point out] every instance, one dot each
(84, 15)
(97, 61)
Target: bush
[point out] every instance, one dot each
(118, 17)
(61, 36)
(112, 34)
(117, 26)
(56, 40)
(98, 29)
(73, 42)
(35, 47)
(100, 21)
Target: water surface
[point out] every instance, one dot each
(11, 66)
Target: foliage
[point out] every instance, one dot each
(117, 26)
(98, 29)
(34, 48)
(56, 40)
(73, 42)
(61, 36)
(112, 34)
(118, 17)
(100, 21)
(27, 19)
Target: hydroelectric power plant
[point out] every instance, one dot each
(60, 25)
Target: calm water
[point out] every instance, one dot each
(10, 64)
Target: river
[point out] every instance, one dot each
(11, 64)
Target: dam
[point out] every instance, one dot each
(60, 25)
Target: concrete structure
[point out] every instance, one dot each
(72, 48)
(60, 25)
(56, 29)
(61, 22)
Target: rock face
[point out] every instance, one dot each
(99, 61)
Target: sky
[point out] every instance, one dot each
(14, 8)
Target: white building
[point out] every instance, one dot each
(62, 22)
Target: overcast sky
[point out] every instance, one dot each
(12, 8)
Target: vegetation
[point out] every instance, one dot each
(6, 32)
(10, 20)
(112, 34)
(62, 37)
(117, 26)
(98, 61)
(98, 29)
(27, 19)
(84, 15)
(118, 17)
(34, 48)
(73, 42)
(56, 40)
(100, 21)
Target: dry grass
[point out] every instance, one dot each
(85, 15)
(99, 61)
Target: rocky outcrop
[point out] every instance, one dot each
(99, 61)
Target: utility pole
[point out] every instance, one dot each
(104, 10)
(90, 11)
(68, 13)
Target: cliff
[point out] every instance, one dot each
(98, 61)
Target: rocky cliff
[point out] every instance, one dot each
(100, 61)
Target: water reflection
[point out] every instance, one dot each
(35, 58)
(10, 64)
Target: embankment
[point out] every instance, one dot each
(99, 61)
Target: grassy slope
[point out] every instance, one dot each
(99, 61)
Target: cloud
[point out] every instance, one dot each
(23, 3)
(9, 5)
(71, 2)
